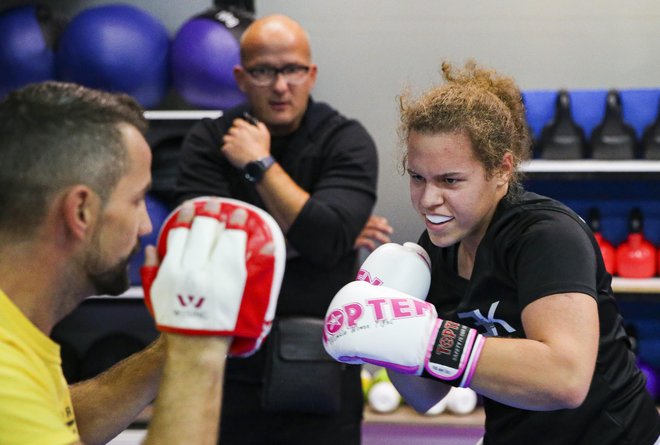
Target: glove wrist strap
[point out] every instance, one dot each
(452, 353)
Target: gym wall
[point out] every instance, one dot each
(369, 50)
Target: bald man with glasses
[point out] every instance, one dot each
(315, 171)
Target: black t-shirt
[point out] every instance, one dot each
(331, 157)
(532, 249)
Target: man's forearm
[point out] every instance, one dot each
(188, 406)
(283, 198)
(105, 405)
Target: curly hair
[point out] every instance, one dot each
(479, 102)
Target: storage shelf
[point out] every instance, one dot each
(404, 415)
(636, 285)
(134, 292)
(181, 114)
(408, 416)
(619, 285)
(591, 166)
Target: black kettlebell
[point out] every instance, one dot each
(562, 138)
(613, 138)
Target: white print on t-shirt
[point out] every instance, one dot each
(488, 323)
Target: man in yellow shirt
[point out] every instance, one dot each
(31, 383)
(74, 171)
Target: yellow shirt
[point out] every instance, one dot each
(35, 404)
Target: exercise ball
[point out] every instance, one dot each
(158, 212)
(652, 383)
(118, 48)
(27, 37)
(204, 52)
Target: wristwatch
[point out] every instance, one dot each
(254, 170)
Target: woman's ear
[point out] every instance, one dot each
(506, 168)
(80, 208)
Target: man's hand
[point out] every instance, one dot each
(245, 142)
(377, 231)
(223, 263)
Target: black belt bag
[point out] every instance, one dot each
(300, 376)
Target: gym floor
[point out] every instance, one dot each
(376, 434)
(402, 427)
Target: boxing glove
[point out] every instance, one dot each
(219, 275)
(386, 327)
(406, 268)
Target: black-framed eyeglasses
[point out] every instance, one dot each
(265, 75)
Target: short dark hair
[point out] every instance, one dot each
(54, 135)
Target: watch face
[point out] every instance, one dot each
(254, 171)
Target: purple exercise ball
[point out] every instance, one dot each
(204, 53)
(117, 47)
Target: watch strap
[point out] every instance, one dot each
(266, 162)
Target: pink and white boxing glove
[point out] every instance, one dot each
(406, 268)
(386, 327)
(219, 275)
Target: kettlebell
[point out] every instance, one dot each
(636, 256)
(613, 138)
(607, 250)
(562, 138)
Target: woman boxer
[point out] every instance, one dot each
(522, 269)
(522, 307)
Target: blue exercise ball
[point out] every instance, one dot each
(204, 53)
(158, 212)
(116, 48)
(652, 383)
(27, 37)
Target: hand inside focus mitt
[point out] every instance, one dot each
(221, 272)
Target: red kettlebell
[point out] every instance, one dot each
(606, 249)
(636, 257)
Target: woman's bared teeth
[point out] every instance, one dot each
(437, 219)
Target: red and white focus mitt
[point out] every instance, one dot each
(219, 275)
